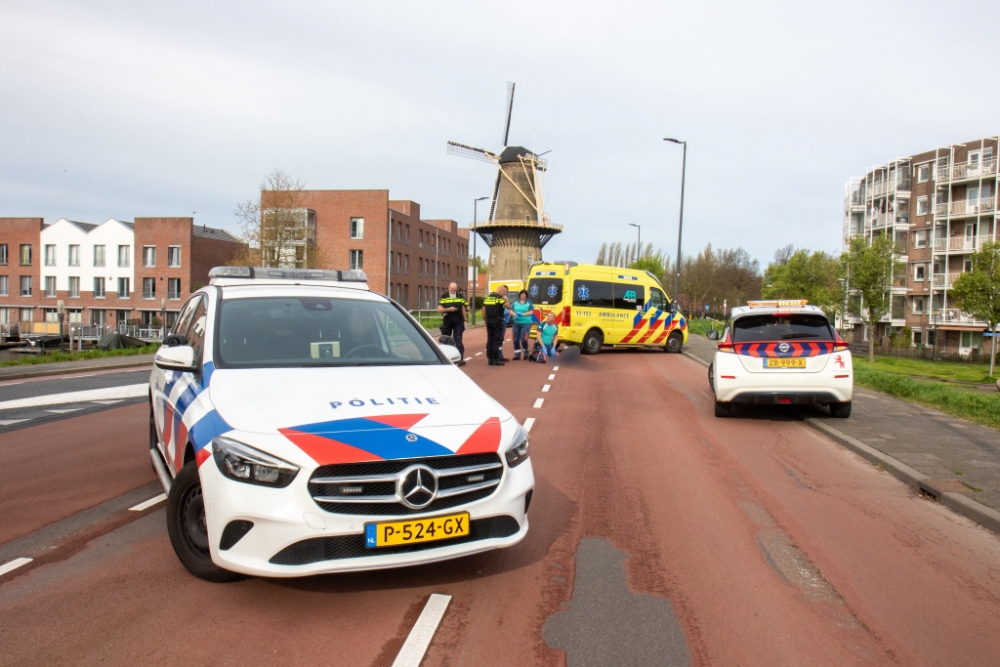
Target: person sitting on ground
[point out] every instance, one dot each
(548, 333)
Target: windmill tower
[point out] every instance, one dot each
(518, 226)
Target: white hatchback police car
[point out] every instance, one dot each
(781, 353)
(301, 424)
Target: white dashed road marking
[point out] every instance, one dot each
(538, 402)
(149, 503)
(552, 376)
(528, 423)
(555, 368)
(128, 391)
(546, 387)
(117, 400)
(468, 359)
(8, 422)
(13, 565)
(478, 353)
(423, 632)
(62, 411)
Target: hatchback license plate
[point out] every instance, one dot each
(394, 533)
(785, 363)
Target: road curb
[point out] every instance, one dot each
(986, 517)
(691, 356)
(43, 372)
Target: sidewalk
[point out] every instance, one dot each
(943, 456)
(84, 365)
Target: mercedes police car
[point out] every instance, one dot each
(781, 353)
(301, 424)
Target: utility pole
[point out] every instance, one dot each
(638, 243)
(475, 285)
(680, 224)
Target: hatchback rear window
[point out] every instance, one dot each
(758, 328)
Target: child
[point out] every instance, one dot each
(548, 333)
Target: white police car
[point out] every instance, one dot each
(303, 424)
(781, 353)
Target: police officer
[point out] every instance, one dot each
(494, 312)
(454, 309)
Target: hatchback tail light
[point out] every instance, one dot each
(839, 344)
(725, 345)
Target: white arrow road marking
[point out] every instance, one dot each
(538, 402)
(13, 565)
(149, 503)
(128, 391)
(546, 387)
(420, 637)
(528, 423)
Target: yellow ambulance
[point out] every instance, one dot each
(604, 305)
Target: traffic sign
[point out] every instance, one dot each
(987, 334)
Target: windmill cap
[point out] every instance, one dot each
(512, 153)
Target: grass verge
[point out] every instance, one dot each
(942, 370)
(701, 326)
(980, 408)
(52, 357)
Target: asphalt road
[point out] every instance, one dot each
(660, 535)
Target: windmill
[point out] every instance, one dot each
(518, 226)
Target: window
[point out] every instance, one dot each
(123, 287)
(99, 288)
(357, 260)
(174, 256)
(25, 285)
(50, 255)
(149, 288)
(987, 153)
(406, 264)
(50, 315)
(973, 159)
(921, 205)
(923, 173)
(196, 334)
(972, 194)
(3, 254)
(658, 299)
(918, 305)
(966, 339)
(98, 255)
(407, 235)
(966, 266)
(593, 294)
(629, 296)
(25, 254)
(918, 338)
(50, 286)
(530, 258)
(74, 255)
(74, 286)
(920, 239)
(149, 256)
(919, 272)
(123, 256)
(27, 314)
(3, 285)
(4, 316)
(357, 228)
(760, 328)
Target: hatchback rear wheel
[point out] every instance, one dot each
(840, 410)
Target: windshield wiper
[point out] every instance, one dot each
(799, 335)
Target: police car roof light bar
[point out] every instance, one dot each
(251, 273)
(777, 303)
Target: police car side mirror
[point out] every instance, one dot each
(177, 358)
(454, 356)
(173, 340)
(712, 334)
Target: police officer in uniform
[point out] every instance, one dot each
(494, 312)
(453, 306)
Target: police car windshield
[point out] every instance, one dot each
(317, 331)
(771, 327)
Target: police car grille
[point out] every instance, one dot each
(319, 549)
(376, 496)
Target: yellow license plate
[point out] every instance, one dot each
(785, 363)
(394, 533)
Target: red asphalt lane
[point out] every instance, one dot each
(625, 448)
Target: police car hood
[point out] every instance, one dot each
(364, 413)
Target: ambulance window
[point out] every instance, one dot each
(593, 294)
(545, 291)
(629, 296)
(658, 300)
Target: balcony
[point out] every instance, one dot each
(961, 243)
(148, 295)
(967, 171)
(965, 208)
(954, 316)
(940, 280)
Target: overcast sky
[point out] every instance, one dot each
(145, 109)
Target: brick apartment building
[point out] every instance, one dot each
(410, 259)
(105, 274)
(940, 207)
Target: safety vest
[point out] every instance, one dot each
(448, 301)
(494, 306)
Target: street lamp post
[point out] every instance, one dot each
(475, 257)
(843, 306)
(680, 224)
(638, 243)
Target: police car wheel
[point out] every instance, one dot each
(592, 342)
(187, 527)
(723, 410)
(153, 440)
(711, 376)
(674, 342)
(840, 410)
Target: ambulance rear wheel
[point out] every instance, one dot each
(592, 342)
(674, 343)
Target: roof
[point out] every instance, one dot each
(512, 153)
(83, 226)
(213, 233)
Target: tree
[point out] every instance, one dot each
(277, 229)
(804, 275)
(977, 292)
(869, 270)
(782, 255)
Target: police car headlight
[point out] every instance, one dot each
(243, 463)
(518, 454)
